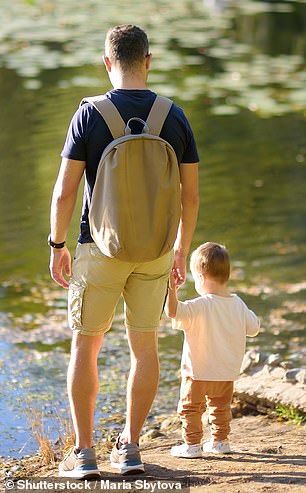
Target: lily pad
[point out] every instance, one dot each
(224, 110)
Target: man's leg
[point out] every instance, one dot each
(142, 383)
(144, 294)
(82, 383)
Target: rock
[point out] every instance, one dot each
(171, 423)
(274, 360)
(267, 381)
(301, 376)
(246, 363)
(288, 365)
(151, 434)
(268, 391)
(262, 409)
(290, 375)
(277, 372)
(252, 359)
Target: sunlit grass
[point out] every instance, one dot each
(289, 413)
(36, 421)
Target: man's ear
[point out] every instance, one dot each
(107, 63)
(148, 60)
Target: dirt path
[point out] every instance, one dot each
(268, 456)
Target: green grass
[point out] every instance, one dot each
(289, 413)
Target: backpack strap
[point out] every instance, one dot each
(109, 113)
(116, 124)
(158, 114)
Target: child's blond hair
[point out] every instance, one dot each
(212, 260)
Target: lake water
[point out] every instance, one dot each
(238, 70)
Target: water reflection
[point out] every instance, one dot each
(249, 44)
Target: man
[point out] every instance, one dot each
(98, 281)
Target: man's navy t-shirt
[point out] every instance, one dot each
(88, 135)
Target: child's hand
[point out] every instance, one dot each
(179, 269)
(171, 301)
(172, 280)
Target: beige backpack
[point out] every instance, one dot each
(135, 205)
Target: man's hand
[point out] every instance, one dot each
(179, 268)
(62, 206)
(60, 264)
(172, 282)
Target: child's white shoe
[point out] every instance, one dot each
(186, 451)
(215, 447)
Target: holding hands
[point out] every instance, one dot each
(179, 269)
(173, 285)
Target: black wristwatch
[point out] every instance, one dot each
(55, 245)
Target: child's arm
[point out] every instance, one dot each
(252, 324)
(172, 301)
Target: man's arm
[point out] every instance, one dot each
(189, 215)
(62, 206)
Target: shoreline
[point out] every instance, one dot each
(267, 456)
(267, 442)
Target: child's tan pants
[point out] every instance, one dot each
(195, 396)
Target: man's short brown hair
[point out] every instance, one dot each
(212, 260)
(127, 45)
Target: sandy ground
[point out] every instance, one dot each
(268, 456)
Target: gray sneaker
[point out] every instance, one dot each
(79, 464)
(126, 458)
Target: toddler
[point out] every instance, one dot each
(215, 326)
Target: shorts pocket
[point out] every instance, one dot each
(75, 305)
(95, 251)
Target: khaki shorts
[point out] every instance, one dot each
(98, 281)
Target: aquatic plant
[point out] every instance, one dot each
(238, 56)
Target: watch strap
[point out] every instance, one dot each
(55, 245)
